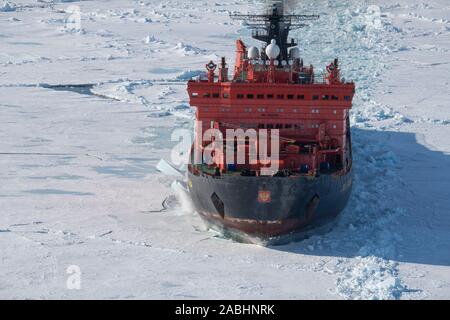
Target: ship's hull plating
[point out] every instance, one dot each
(297, 204)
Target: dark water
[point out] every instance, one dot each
(85, 89)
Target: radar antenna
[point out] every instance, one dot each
(275, 25)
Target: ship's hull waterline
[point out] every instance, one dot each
(293, 207)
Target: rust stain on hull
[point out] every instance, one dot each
(258, 228)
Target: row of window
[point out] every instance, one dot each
(272, 96)
(285, 126)
(262, 109)
(289, 126)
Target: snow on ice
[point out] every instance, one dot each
(87, 112)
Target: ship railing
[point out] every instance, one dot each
(259, 33)
(211, 172)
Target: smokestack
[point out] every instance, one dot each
(276, 6)
(283, 6)
(290, 5)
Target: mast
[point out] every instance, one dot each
(275, 25)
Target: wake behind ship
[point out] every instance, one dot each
(272, 90)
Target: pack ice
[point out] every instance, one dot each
(91, 92)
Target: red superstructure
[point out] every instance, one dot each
(311, 114)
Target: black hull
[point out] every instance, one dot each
(297, 204)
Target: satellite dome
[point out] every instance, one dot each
(294, 53)
(253, 53)
(272, 50)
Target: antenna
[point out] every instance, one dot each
(275, 25)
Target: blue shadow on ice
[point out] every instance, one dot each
(400, 204)
(58, 192)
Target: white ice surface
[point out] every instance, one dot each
(79, 184)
